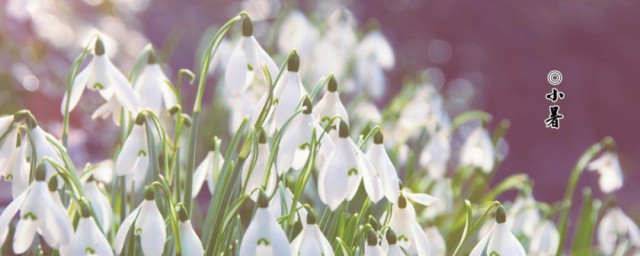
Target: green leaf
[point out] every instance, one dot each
(467, 226)
(586, 225)
(468, 116)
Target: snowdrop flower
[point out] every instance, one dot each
(373, 56)
(295, 142)
(331, 106)
(333, 51)
(247, 58)
(373, 248)
(523, 215)
(149, 225)
(20, 169)
(436, 153)
(438, 245)
(411, 236)
(311, 241)
(44, 149)
(477, 151)
(189, 240)
(8, 146)
(614, 228)
(103, 171)
(393, 249)
(340, 177)
(608, 166)
(264, 236)
(133, 159)
(88, 239)
(99, 202)
(545, 239)
(102, 76)
(208, 170)
(297, 32)
(260, 170)
(38, 213)
(288, 92)
(154, 89)
(500, 240)
(443, 192)
(385, 173)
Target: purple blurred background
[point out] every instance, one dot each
(497, 54)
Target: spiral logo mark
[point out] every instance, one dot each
(554, 77)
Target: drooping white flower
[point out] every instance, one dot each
(264, 235)
(499, 240)
(385, 173)
(297, 32)
(523, 215)
(331, 106)
(87, 239)
(288, 93)
(189, 240)
(545, 239)
(246, 62)
(296, 141)
(154, 89)
(38, 213)
(436, 153)
(149, 225)
(8, 146)
(333, 51)
(102, 76)
(477, 150)
(340, 176)
(615, 228)
(311, 241)
(259, 172)
(608, 167)
(373, 56)
(208, 170)
(45, 149)
(393, 249)
(133, 159)
(103, 171)
(100, 203)
(373, 248)
(20, 170)
(411, 236)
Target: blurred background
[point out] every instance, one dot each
(490, 56)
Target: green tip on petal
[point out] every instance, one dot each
(53, 184)
(391, 237)
(262, 138)
(247, 26)
(378, 138)
(343, 129)
(182, 213)
(99, 47)
(402, 202)
(333, 84)
(151, 58)
(372, 238)
(85, 212)
(311, 218)
(308, 108)
(149, 194)
(374, 223)
(501, 215)
(263, 201)
(141, 118)
(41, 173)
(294, 62)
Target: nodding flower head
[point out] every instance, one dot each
(333, 84)
(293, 64)
(247, 26)
(343, 129)
(98, 48)
(263, 201)
(372, 238)
(501, 216)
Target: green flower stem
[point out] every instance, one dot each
(573, 181)
(70, 80)
(469, 229)
(172, 213)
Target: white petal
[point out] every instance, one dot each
(101, 75)
(134, 152)
(153, 233)
(385, 171)
(55, 225)
(289, 94)
(9, 212)
(332, 180)
(265, 59)
(236, 75)
(259, 172)
(373, 251)
(121, 235)
(103, 172)
(25, 231)
(100, 205)
(545, 240)
(421, 198)
(258, 229)
(76, 91)
(279, 240)
(212, 174)
(420, 239)
(201, 174)
(372, 181)
(191, 244)
(123, 90)
(504, 242)
(150, 84)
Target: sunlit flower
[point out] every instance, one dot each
(149, 225)
(190, 242)
(373, 56)
(373, 248)
(154, 89)
(411, 236)
(264, 236)
(246, 62)
(102, 76)
(608, 166)
(99, 202)
(347, 165)
(614, 229)
(311, 241)
(260, 169)
(545, 239)
(133, 159)
(436, 153)
(385, 173)
(477, 150)
(523, 215)
(289, 92)
(87, 239)
(296, 141)
(499, 240)
(208, 170)
(331, 106)
(393, 249)
(38, 213)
